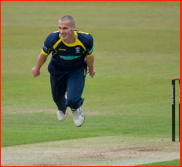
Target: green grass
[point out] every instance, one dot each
(166, 163)
(40, 127)
(137, 51)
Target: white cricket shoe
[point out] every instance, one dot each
(78, 116)
(61, 116)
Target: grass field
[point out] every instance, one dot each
(168, 163)
(137, 51)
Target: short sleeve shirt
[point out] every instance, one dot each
(68, 55)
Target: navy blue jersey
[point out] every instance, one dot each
(68, 55)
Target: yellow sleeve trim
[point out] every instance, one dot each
(90, 55)
(44, 53)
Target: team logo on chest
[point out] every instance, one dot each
(77, 49)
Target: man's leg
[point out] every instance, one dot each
(75, 86)
(58, 92)
(58, 86)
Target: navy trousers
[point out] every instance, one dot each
(70, 81)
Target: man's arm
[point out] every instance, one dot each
(41, 60)
(90, 64)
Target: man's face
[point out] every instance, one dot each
(66, 31)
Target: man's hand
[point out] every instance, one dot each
(41, 60)
(91, 73)
(35, 72)
(90, 64)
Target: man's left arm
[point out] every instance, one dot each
(90, 64)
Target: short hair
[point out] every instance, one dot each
(68, 18)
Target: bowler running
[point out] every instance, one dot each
(72, 54)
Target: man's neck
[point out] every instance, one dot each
(71, 40)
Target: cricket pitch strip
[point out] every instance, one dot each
(97, 151)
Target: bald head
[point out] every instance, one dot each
(68, 18)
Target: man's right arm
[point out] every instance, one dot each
(41, 60)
